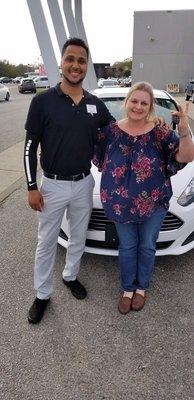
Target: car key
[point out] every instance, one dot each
(175, 119)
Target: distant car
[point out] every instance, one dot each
(107, 83)
(41, 82)
(5, 79)
(4, 92)
(27, 85)
(192, 83)
(177, 231)
(17, 79)
(127, 81)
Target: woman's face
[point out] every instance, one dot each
(138, 105)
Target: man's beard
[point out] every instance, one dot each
(73, 83)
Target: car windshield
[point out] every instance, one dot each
(116, 106)
(162, 107)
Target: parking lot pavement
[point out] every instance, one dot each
(11, 169)
(86, 350)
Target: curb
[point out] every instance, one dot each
(11, 169)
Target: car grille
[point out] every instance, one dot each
(98, 221)
(114, 246)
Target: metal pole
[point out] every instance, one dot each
(44, 41)
(57, 22)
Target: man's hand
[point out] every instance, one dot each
(35, 200)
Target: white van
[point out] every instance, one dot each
(42, 82)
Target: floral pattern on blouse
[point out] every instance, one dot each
(136, 171)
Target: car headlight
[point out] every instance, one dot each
(187, 197)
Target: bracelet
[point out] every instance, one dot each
(182, 136)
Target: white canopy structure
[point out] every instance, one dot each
(75, 28)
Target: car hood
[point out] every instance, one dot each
(179, 181)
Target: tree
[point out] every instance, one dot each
(123, 68)
(11, 70)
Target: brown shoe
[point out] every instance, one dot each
(124, 304)
(138, 302)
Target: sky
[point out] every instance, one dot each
(108, 25)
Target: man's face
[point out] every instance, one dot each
(74, 64)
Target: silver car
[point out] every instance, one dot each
(4, 92)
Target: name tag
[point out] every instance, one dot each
(91, 108)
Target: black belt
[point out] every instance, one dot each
(67, 178)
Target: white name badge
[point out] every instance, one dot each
(91, 108)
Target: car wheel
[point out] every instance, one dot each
(7, 97)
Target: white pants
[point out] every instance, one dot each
(76, 199)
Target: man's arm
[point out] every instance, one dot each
(106, 116)
(33, 128)
(30, 160)
(35, 198)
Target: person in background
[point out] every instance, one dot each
(189, 90)
(64, 120)
(137, 159)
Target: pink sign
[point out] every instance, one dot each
(42, 70)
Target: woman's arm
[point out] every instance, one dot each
(185, 151)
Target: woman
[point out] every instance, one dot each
(138, 160)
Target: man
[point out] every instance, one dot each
(189, 90)
(64, 120)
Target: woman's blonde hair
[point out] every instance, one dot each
(144, 87)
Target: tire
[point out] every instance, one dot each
(7, 97)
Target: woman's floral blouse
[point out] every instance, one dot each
(135, 171)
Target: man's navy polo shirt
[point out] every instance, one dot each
(66, 132)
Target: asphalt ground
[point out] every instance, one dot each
(12, 117)
(86, 350)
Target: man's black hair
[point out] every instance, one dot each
(76, 42)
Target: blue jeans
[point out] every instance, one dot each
(137, 247)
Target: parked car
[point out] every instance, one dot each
(41, 82)
(5, 79)
(192, 83)
(127, 81)
(177, 231)
(27, 85)
(4, 92)
(17, 79)
(107, 82)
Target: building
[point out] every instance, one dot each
(163, 50)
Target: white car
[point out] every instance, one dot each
(107, 82)
(4, 92)
(41, 82)
(177, 231)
